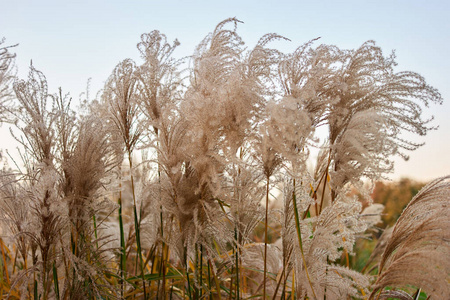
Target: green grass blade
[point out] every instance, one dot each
(187, 274)
(138, 243)
(237, 262)
(299, 235)
(123, 255)
(55, 280)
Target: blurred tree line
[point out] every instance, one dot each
(394, 196)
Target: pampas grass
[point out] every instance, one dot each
(6, 78)
(176, 181)
(419, 244)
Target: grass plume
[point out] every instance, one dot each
(193, 181)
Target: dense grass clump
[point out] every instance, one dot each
(191, 182)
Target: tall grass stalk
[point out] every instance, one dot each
(123, 250)
(237, 262)
(265, 236)
(137, 227)
(299, 236)
(209, 282)
(4, 263)
(187, 274)
(56, 281)
(218, 143)
(216, 280)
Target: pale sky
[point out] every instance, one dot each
(73, 41)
